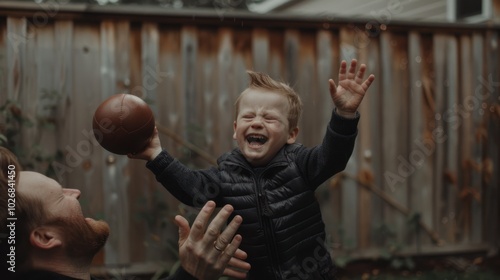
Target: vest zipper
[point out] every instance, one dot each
(264, 212)
(264, 216)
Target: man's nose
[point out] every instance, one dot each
(74, 192)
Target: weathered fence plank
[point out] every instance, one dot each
(473, 104)
(420, 184)
(350, 191)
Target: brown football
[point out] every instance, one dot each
(123, 124)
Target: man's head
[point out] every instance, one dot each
(266, 118)
(50, 226)
(55, 225)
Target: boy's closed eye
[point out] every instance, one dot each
(248, 116)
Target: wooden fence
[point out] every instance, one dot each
(424, 176)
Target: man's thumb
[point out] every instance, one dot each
(184, 228)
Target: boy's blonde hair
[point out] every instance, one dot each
(265, 82)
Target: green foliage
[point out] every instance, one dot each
(14, 121)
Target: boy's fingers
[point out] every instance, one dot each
(342, 70)
(361, 74)
(368, 82)
(332, 88)
(352, 69)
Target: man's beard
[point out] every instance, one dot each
(82, 238)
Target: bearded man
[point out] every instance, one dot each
(55, 241)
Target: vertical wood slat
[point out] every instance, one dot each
(394, 158)
(373, 157)
(365, 140)
(306, 86)
(291, 46)
(139, 192)
(276, 54)
(115, 186)
(420, 183)
(491, 227)
(48, 96)
(17, 35)
(62, 80)
(402, 92)
(322, 114)
(85, 174)
(151, 75)
(432, 135)
(335, 191)
(206, 92)
(474, 103)
(350, 189)
(170, 95)
(63, 77)
(189, 50)
(29, 84)
(243, 60)
(466, 128)
(452, 145)
(152, 78)
(169, 103)
(439, 159)
(225, 81)
(260, 49)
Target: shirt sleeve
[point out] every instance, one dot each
(319, 163)
(191, 187)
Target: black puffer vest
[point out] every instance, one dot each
(282, 229)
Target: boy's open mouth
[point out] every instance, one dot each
(255, 139)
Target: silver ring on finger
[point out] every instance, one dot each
(217, 247)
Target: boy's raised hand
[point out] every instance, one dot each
(150, 151)
(347, 96)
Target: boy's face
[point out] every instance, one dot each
(261, 127)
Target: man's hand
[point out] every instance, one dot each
(204, 252)
(351, 89)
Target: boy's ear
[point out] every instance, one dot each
(45, 238)
(234, 130)
(292, 136)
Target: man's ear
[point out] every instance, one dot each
(45, 238)
(292, 135)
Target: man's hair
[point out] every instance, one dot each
(29, 211)
(265, 82)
